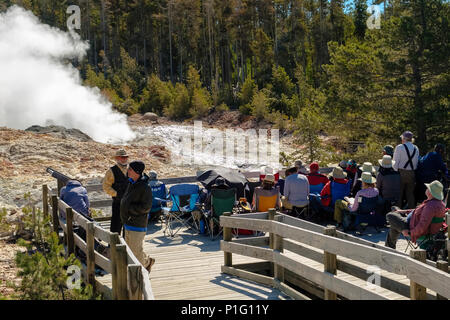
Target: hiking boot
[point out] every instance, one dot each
(151, 263)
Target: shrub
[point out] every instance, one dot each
(201, 103)
(260, 105)
(179, 107)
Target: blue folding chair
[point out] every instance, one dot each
(184, 198)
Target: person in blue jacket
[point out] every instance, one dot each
(159, 191)
(430, 168)
(75, 196)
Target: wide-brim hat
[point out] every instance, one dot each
(386, 162)
(338, 173)
(367, 178)
(269, 178)
(436, 189)
(367, 167)
(121, 153)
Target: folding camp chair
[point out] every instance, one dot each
(184, 199)
(221, 201)
(366, 215)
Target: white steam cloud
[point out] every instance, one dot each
(39, 87)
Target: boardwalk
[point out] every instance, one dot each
(188, 267)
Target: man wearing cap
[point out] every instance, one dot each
(388, 182)
(430, 167)
(316, 179)
(114, 184)
(426, 219)
(134, 208)
(406, 158)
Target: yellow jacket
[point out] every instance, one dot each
(108, 180)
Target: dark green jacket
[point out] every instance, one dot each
(136, 203)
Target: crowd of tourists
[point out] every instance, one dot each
(405, 190)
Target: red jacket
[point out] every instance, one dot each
(326, 191)
(317, 178)
(420, 224)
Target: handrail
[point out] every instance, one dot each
(140, 280)
(418, 272)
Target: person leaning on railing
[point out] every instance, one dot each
(425, 220)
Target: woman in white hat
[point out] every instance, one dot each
(366, 167)
(267, 195)
(425, 220)
(349, 204)
(388, 182)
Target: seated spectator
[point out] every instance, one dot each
(430, 168)
(343, 164)
(317, 181)
(266, 196)
(300, 167)
(388, 182)
(352, 168)
(159, 191)
(366, 167)
(76, 197)
(351, 204)
(336, 189)
(296, 191)
(418, 222)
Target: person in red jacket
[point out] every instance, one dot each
(426, 219)
(315, 178)
(339, 177)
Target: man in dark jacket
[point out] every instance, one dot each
(428, 170)
(134, 207)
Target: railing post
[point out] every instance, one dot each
(55, 214)
(122, 272)
(271, 216)
(278, 245)
(90, 229)
(441, 265)
(227, 236)
(114, 241)
(135, 282)
(418, 292)
(447, 219)
(69, 236)
(45, 200)
(330, 262)
(60, 186)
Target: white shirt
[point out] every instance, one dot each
(401, 158)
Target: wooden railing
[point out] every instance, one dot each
(130, 280)
(335, 250)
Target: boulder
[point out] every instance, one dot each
(61, 132)
(150, 116)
